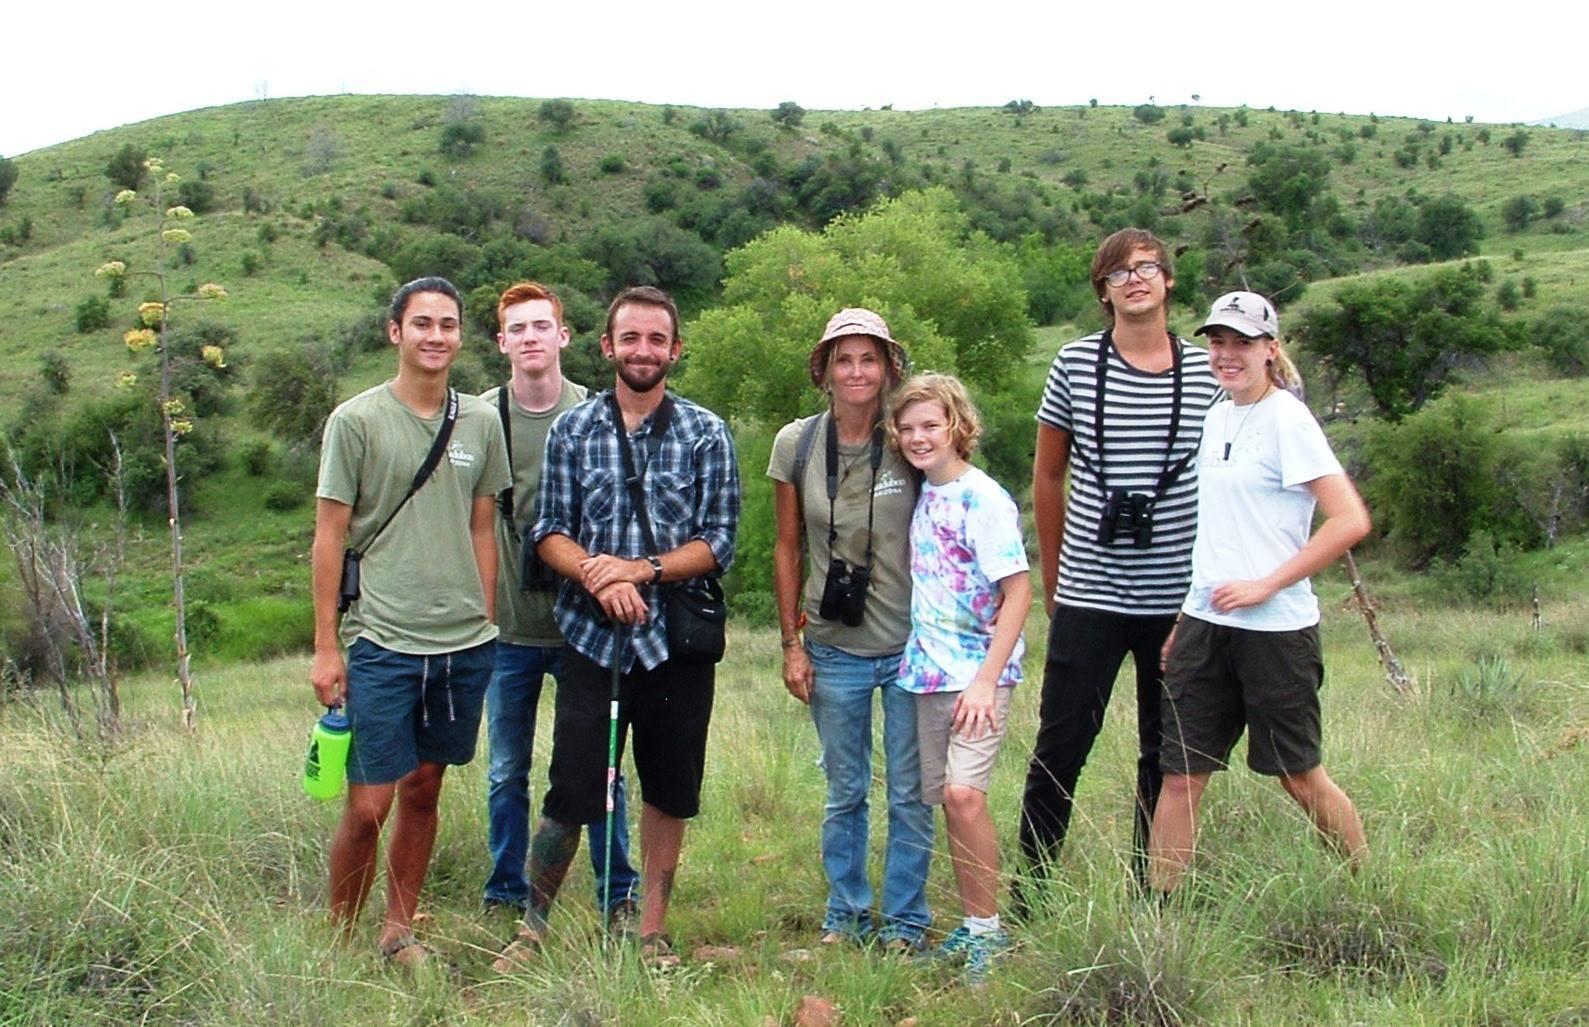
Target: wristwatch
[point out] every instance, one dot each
(656, 569)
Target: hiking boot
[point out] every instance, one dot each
(623, 919)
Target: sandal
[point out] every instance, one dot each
(656, 951)
(405, 951)
(521, 951)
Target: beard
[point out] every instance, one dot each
(643, 377)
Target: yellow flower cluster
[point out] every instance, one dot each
(111, 269)
(177, 235)
(181, 426)
(126, 380)
(139, 339)
(178, 212)
(215, 356)
(211, 291)
(172, 407)
(126, 196)
(152, 313)
(172, 178)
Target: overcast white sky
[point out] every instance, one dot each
(69, 69)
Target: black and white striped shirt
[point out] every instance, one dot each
(1137, 405)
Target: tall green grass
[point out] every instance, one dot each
(177, 879)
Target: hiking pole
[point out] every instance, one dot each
(620, 643)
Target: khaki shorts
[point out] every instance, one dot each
(948, 758)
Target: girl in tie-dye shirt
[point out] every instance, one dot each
(967, 567)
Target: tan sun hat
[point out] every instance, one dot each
(858, 321)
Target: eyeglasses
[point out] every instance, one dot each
(1146, 271)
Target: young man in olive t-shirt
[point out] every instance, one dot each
(420, 638)
(532, 336)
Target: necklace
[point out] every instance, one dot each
(1231, 439)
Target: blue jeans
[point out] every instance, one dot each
(511, 700)
(841, 707)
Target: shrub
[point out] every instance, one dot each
(708, 178)
(8, 178)
(92, 314)
(294, 392)
(1553, 206)
(459, 138)
(1180, 136)
(196, 194)
(789, 114)
(1507, 296)
(1148, 114)
(661, 194)
(125, 167)
(257, 456)
(1518, 211)
(56, 371)
(613, 164)
(1563, 333)
(557, 114)
(716, 126)
(1515, 143)
(285, 495)
(552, 170)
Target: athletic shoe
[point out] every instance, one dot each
(981, 953)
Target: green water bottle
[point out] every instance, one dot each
(326, 769)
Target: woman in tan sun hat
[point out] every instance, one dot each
(846, 497)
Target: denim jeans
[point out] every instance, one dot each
(841, 707)
(511, 700)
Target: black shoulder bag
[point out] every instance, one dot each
(348, 592)
(695, 610)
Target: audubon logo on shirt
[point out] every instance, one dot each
(458, 456)
(888, 484)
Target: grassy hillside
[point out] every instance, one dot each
(312, 199)
(181, 880)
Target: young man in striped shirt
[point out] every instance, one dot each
(1116, 551)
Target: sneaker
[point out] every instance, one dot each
(981, 953)
(952, 949)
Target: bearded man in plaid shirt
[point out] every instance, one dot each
(610, 608)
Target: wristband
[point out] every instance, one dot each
(791, 641)
(656, 569)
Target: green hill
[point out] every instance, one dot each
(312, 209)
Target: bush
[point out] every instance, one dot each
(294, 392)
(1148, 114)
(196, 194)
(459, 138)
(613, 164)
(1518, 211)
(1434, 480)
(557, 114)
(1181, 136)
(789, 114)
(1563, 333)
(125, 168)
(257, 456)
(285, 495)
(1553, 206)
(1488, 571)
(56, 371)
(661, 194)
(552, 170)
(92, 314)
(8, 178)
(1507, 295)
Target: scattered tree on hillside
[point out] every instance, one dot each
(552, 170)
(716, 126)
(1449, 227)
(321, 150)
(557, 114)
(1515, 142)
(8, 178)
(1519, 211)
(126, 166)
(1147, 113)
(789, 114)
(153, 335)
(293, 393)
(1405, 337)
(458, 138)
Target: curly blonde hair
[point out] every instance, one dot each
(965, 424)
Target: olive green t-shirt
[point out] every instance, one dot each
(421, 592)
(525, 618)
(886, 624)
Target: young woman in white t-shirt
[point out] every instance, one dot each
(1245, 655)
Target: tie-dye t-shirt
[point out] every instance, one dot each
(964, 538)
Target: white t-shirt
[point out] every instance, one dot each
(1254, 508)
(965, 537)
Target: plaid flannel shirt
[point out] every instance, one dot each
(691, 488)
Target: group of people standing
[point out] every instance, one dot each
(1173, 496)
